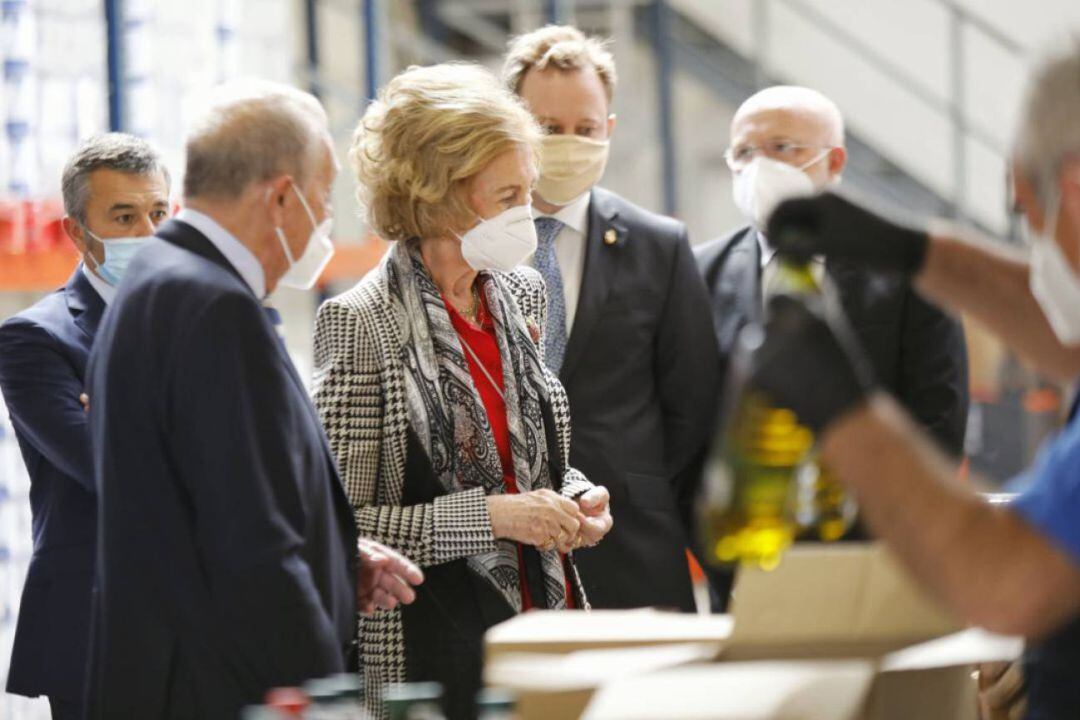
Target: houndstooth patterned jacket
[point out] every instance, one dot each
(359, 390)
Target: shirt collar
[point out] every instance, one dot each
(768, 252)
(102, 288)
(575, 215)
(242, 259)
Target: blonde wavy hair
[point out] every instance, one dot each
(430, 132)
(560, 46)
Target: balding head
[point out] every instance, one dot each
(810, 110)
(253, 131)
(260, 162)
(797, 116)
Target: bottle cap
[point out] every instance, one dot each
(289, 701)
(413, 692)
(496, 699)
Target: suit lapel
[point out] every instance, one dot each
(604, 244)
(84, 303)
(737, 292)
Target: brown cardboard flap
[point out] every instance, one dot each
(931, 694)
(819, 690)
(557, 687)
(566, 631)
(587, 669)
(823, 599)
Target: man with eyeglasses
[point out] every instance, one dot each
(789, 142)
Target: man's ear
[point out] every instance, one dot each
(1026, 199)
(837, 161)
(1070, 181)
(276, 196)
(611, 125)
(75, 233)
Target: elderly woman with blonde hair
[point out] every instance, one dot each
(452, 437)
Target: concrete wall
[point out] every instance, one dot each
(894, 76)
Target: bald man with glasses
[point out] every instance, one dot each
(789, 141)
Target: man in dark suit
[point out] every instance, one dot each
(789, 141)
(627, 328)
(116, 191)
(228, 556)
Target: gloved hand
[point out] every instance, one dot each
(837, 228)
(810, 364)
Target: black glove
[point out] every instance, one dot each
(829, 225)
(810, 362)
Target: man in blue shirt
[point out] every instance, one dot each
(1015, 569)
(116, 193)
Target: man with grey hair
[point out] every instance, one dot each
(116, 192)
(1012, 569)
(229, 562)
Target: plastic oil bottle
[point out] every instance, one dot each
(763, 486)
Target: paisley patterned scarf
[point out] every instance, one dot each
(449, 418)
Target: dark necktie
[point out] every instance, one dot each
(278, 324)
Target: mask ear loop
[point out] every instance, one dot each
(91, 233)
(304, 202)
(817, 158)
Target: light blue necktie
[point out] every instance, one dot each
(547, 229)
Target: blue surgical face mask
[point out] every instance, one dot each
(118, 255)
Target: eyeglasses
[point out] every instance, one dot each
(739, 156)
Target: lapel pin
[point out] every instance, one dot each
(610, 237)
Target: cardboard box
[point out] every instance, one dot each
(838, 622)
(555, 632)
(551, 685)
(930, 681)
(764, 690)
(846, 600)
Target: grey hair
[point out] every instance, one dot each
(110, 151)
(253, 131)
(1049, 130)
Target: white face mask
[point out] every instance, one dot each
(502, 242)
(765, 183)
(303, 273)
(1053, 283)
(569, 166)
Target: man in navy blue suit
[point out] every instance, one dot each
(228, 561)
(116, 192)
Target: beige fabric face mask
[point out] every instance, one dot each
(569, 166)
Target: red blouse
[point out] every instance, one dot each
(483, 342)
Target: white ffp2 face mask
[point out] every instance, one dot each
(502, 242)
(305, 271)
(765, 183)
(1053, 283)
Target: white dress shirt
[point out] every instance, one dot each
(242, 259)
(570, 251)
(102, 288)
